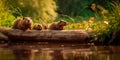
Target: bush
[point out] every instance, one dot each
(44, 10)
(6, 17)
(114, 24)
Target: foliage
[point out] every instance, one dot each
(114, 24)
(37, 9)
(86, 25)
(115, 17)
(72, 7)
(6, 17)
(110, 34)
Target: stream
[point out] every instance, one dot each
(57, 51)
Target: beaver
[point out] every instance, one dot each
(37, 26)
(24, 23)
(58, 25)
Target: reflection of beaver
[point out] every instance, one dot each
(58, 25)
(37, 27)
(23, 23)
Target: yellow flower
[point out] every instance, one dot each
(91, 20)
(85, 23)
(106, 22)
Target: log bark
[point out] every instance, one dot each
(79, 36)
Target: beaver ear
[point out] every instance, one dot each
(26, 18)
(23, 18)
(61, 20)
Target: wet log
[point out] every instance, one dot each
(3, 37)
(79, 36)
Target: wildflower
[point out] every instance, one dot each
(85, 22)
(106, 22)
(21, 3)
(104, 11)
(88, 28)
(91, 20)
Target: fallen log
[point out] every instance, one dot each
(79, 36)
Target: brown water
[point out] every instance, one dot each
(58, 51)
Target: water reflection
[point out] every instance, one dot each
(23, 54)
(58, 52)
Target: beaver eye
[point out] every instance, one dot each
(27, 21)
(24, 18)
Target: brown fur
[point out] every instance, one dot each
(23, 23)
(58, 25)
(37, 27)
(45, 27)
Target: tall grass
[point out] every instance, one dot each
(41, 10)
(110, 34)
(114, 24)
(6, 17)
(115, 17)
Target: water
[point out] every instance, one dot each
(58, 51)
